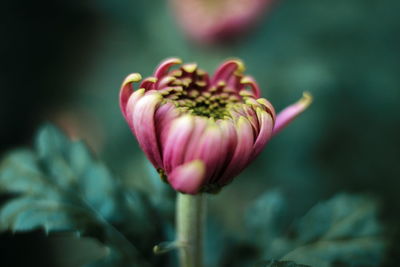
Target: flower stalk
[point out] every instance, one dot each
(190, 219)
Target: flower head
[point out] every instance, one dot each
(208, 21)
(200, 132)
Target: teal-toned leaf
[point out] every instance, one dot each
(354, 252)
(52, 191)
(343, 230)
(340, 217)
(267, 217)
(60, 186)
(67, 250)
(275, 263)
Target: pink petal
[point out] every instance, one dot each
(236, 112)
(148, 83)
(265, 134)
(250, 81)
(209, 149)
(200, 124)
(176, 142)
(143, 123)
(250, 114)
(228, 145)
(163, 68)
(130, 106)
(243, 151)
(164, 82)
(164, 117)
(226, 71)
(288, 114)
(188, 178)
(126, 90)
(268, 106)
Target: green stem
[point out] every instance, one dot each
(190, 215)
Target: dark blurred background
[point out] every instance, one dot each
(63, 61)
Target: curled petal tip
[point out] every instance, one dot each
(190, 68)
(288, 114)
(228, 69)
(306, 100)
(240, 66)
(247, 80)
(132, 78)
(175, 60)
(151, 79)
(221, 84)
(171, 61)
(126, 90)
(163, 68)
(189, 177)
(148, 83)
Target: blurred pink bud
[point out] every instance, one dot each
(200, 132)
(208, 21)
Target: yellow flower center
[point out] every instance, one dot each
(189, 90)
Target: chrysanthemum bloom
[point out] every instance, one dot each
(200, 132)
(208, 21)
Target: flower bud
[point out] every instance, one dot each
(198, 131)
(208, 21)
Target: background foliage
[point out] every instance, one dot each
(63, 61)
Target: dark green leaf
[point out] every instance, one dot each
(72, 251)
(275, 263)
(61, 187)
(343, 230)
(267, 218)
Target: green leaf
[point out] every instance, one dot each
(275, 263)
(61, 187)
(267, 218)
(343, 230)
(341, 217)
(67, 250)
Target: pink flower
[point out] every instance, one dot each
(200, 132)
(211, 21)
